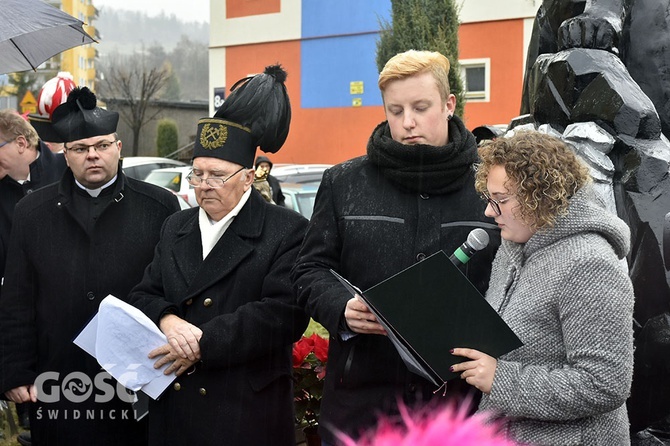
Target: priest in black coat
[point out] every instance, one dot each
(72, 244)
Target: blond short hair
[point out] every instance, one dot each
(414, 62)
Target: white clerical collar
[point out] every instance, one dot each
(211, 231)
(95, 192)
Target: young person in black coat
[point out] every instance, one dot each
(219, 286)
(72, 244)
(412, 195)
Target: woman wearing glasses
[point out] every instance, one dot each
(557, 280)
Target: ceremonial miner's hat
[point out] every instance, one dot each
(53, 93)
(81, 118)
(257, 113)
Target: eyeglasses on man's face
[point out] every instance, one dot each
(213, 182)
(5, 143)
(495, 204)
(99, 147)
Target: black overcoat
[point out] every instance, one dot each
(367, 230)
(241, 298)
(57, 273)
(48, 168)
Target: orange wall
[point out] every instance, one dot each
(502, 42)
(244, 8)
(323, 135)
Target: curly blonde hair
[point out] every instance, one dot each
(545, 172)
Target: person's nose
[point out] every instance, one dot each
(408, 121)
(204, 185)
(489, 212)
(92, 153)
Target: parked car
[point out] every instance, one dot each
(139, 167)
(299, 173)
(174, 178)
(300, 197)
(183, 204)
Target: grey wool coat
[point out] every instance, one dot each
(567, 296)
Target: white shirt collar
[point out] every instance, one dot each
(212, 231)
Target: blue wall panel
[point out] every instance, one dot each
(330, 64)
(336, 17)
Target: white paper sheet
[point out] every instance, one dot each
(120, 337)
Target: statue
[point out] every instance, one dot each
(597, 77)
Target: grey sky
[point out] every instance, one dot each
(187, 10)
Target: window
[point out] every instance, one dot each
(476, 75)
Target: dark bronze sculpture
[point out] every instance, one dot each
(602, 67)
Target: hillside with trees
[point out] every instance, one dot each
(181, 48)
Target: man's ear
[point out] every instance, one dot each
(249, 177)
(21, 143)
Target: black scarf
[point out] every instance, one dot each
(424, 168)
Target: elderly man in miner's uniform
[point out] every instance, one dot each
(73, 243)
(219, 286)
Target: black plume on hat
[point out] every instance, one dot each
(257, 113)
(80, 118)
(261, 104)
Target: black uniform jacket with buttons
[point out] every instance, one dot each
(367, 230)
(241, 298)
(48, 168)
(57, 273)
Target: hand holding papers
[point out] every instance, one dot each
(430, 308)
(120, 337)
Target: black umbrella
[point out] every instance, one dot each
(32, 31)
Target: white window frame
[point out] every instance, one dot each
(477, 96)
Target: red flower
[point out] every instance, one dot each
(301, 349)
(310, 355)
(320, 348)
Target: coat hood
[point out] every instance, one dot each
(586, 214)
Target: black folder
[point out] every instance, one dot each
(430, 308)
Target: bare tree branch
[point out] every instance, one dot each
(130, 81)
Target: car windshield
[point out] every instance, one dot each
(170, 180)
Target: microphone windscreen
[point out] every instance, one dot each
(478, 239)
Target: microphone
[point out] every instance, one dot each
(477, 240)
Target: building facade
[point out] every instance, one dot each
(80, 61)
(328, 49)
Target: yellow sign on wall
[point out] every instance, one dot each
(356, 102)
(28, 104)
(356, 87)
